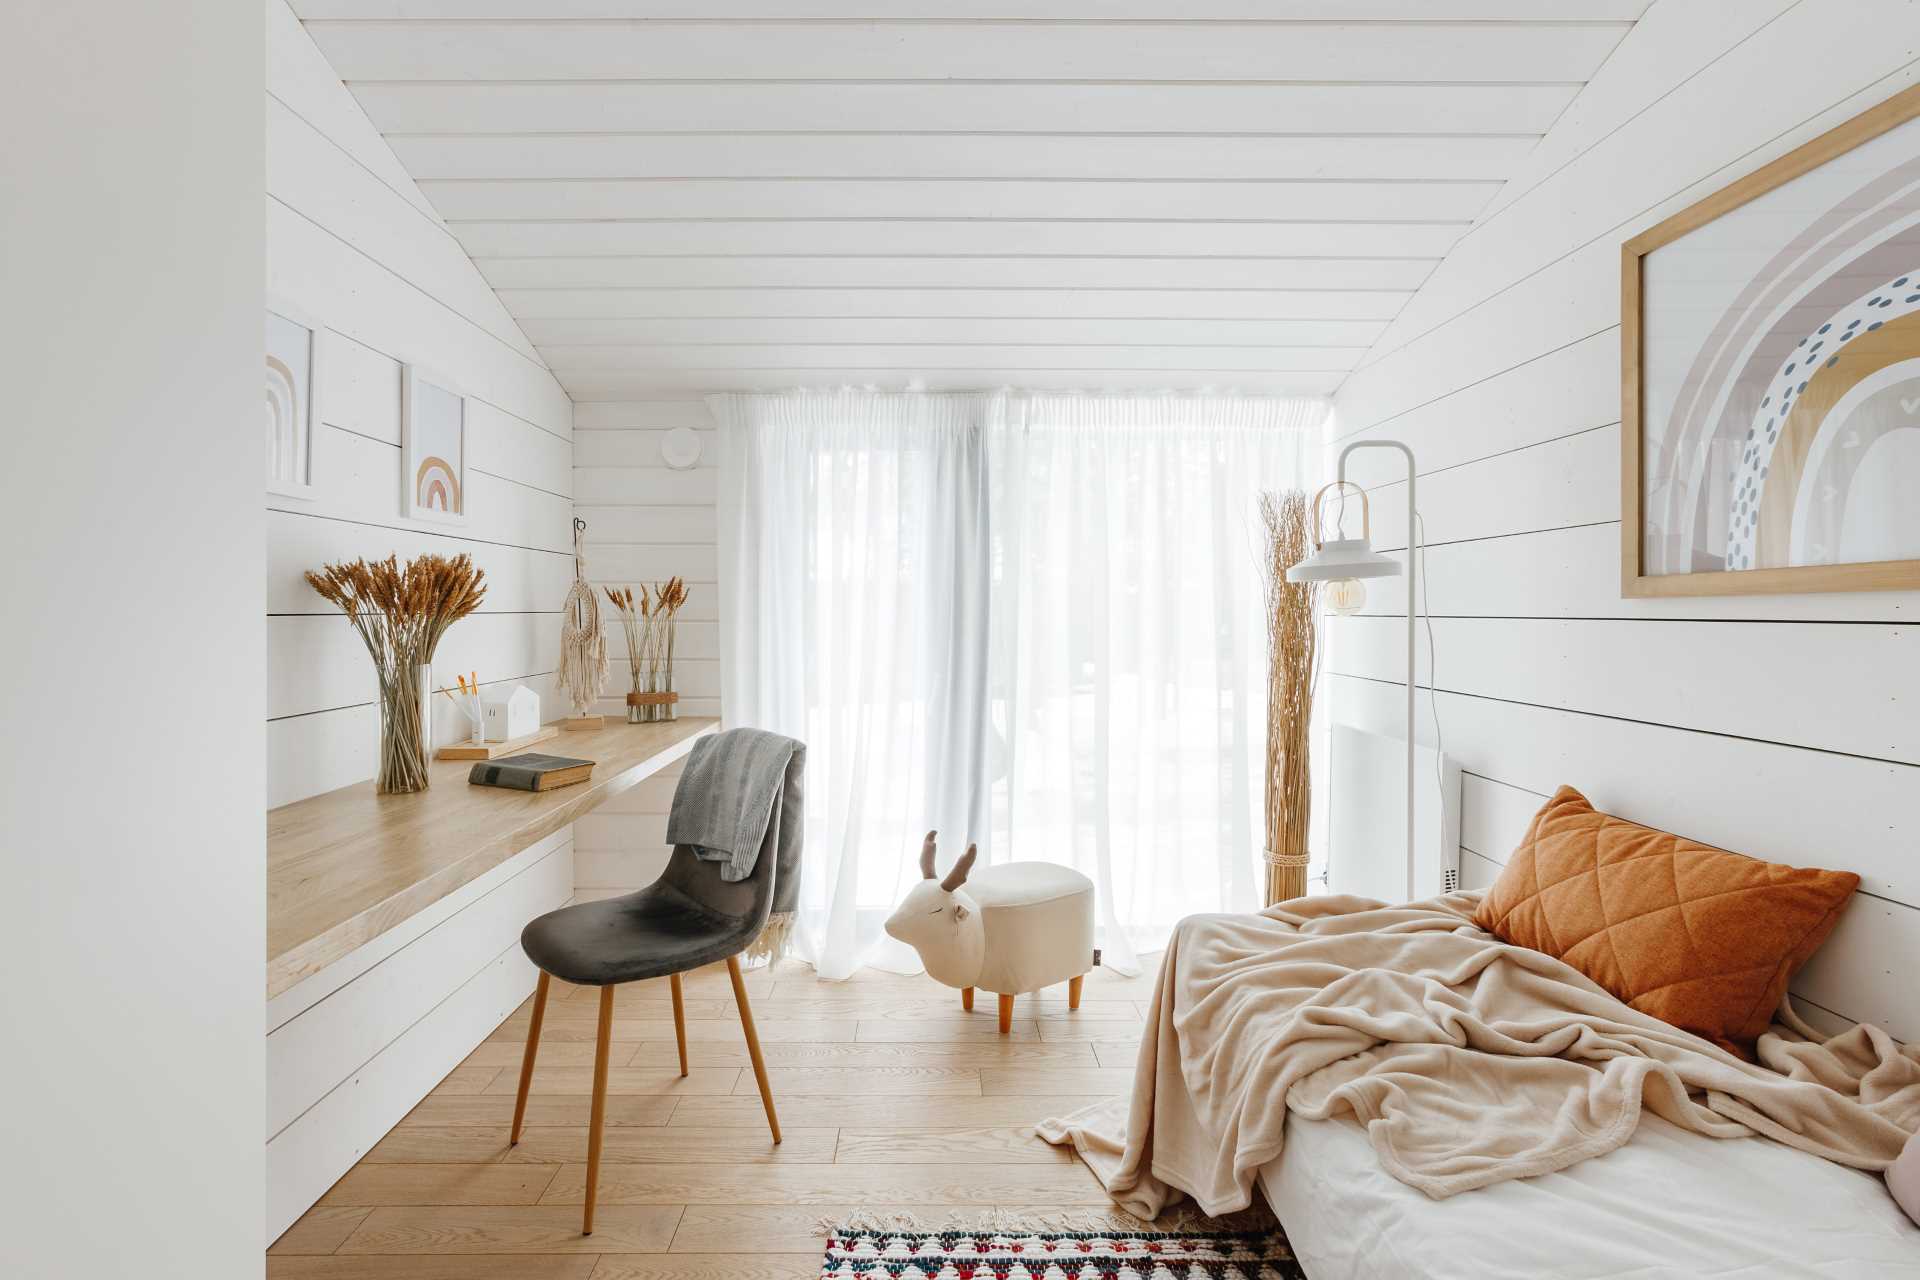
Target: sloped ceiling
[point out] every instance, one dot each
(673, 197)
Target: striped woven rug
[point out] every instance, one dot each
(858, 1253)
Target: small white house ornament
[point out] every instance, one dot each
(513, 714)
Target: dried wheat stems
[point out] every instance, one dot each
(650, 626)
(668, 596)
(635, 613)
(1292, 668)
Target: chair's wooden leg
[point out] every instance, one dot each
(753, 1045)
(1006, 1014)
(526, 1062)
(598, 1119)
(966, 999)
(1073, 992)
(680, 1021)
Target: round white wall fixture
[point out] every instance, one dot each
(680, 448)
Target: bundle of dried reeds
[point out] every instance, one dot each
(1292, 669)
(401, 612)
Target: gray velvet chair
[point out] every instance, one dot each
(687, 918)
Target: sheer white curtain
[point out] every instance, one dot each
(1029, 621)
(1128, 652)
(853, 617)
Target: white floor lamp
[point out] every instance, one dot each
(1343, 562)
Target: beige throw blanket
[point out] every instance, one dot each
(1469, 1061)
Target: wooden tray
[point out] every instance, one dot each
(494, 750)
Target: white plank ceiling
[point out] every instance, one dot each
(674, 196)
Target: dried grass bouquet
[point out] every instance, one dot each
(649, 625)
(401, 612)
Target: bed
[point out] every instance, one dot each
(1669, 1202)
(1522, 1119)
(1741, 1207)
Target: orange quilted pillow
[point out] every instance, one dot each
(1694, 936)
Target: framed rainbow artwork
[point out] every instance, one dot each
(1770, 358)
(433, 453)
(294, 348)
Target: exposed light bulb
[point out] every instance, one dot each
(1346, 596)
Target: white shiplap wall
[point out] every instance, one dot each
(1780, 726)
(353, 244)
(646, 523)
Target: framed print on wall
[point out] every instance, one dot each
(294, 348)
(1770, 362)
(433, 447)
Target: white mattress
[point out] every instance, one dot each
(1668, 1204)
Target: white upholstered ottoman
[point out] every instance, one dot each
(1039, 927)
(1011, 929)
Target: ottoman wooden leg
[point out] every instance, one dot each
(1073, 991)
(966, 999)
(1006, 1014)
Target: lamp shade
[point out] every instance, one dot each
(1341, 558)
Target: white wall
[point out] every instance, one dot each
(130, 828)
(353, 244)
(646, 523)
(1779, 726)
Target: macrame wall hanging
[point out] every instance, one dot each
(583, 644)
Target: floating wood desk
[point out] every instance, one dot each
(346, 866)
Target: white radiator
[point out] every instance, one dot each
(1367, 826)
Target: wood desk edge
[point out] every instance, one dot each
(303, 957)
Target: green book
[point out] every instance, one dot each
(530, 771)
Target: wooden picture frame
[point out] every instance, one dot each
(1753, 456)
(296, 347)
(433, 447)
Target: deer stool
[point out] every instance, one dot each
(1013, 929)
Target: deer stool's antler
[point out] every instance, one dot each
(926, 856)
(957, 876)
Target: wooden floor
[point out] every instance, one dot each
(891, 1098)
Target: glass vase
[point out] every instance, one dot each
(406, 720)
(669, 709)
(636, 713)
